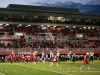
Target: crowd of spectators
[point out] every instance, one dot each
(48, 19)
(50, 44)
(62, 37)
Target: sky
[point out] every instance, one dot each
(4, 3)
(86, 6)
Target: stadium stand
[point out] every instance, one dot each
(26, 30)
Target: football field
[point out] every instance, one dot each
(64, 68)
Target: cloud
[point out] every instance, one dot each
(94, 2)
(85, 6)
(76, 1)
(4, 3)
(88, 6)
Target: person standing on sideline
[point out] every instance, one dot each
(73, 57)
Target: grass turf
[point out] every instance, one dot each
(64, 68)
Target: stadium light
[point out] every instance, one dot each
(29, 25)
(1, 24)
(48, 25)
(88, 27)
(7, 24)
(26, 26)
(80, 28)
(42, 25)
(17, 26)
(20, 24)
(67, 26)
(74, 27)
(71, 30)
(84, 27)
(93, 27)
(54, 26)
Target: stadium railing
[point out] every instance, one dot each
(81, 49)
(8, 36)
(47, 49)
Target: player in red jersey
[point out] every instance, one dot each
(34, 57)
(22, 58)
(58, 54)
(86, 61)
(12, 57)
(55, 60)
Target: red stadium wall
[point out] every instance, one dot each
(46, 52)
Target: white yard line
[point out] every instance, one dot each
(81, 65)
(43, 69)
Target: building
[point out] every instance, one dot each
(24, 29)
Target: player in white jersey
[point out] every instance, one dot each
(46, 57)
(69, 56)
(91, 56)
(55, 60)
(43, 57)
(51, 56)
(58, 54)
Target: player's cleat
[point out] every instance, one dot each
(88, 68)
(51, 64)
(80, 68)
(57, 64)
(34, 62)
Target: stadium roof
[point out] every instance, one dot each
(42, 8)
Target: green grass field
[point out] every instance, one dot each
(64, 68)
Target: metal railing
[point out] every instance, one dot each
(58, 37)
(28, 49)
(80, 49)
(47, 49)
(8, 36)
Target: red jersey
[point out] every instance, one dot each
(86, 59)
(21, 58)
(55, 59)
(12, 57)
